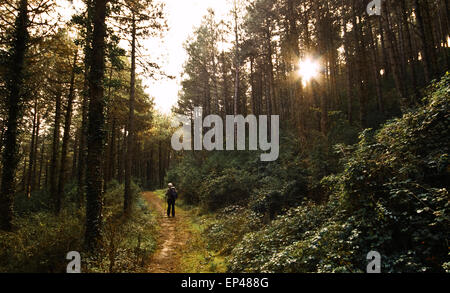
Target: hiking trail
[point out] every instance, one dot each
(173, 235)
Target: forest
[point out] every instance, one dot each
(363, 103)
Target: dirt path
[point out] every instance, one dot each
(173, 234)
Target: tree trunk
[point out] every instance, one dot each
(236, 63)
(361, 66)
(36, 143)
(397, 70)
(112, 153)
(67, 124)
(129, 154)
(32, 148)
(24, 173)
(15, 98)
(109, 137)
(252, 85)
(47, 174)
(376, 69)
(56, 197)
(410, 55)
(41, 164)
(75, 154)
(96, 133)
(424, 41)
(349, 69)
(160, 176)
(82, 148)
(225, 90)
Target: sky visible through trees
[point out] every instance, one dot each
(182, 17)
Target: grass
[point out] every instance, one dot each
(198, 258)
(161, 193)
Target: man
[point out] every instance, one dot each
(171, 197)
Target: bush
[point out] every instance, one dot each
(127, 241)
(395, 187)
(231, 187)
(229, 227)
(187, 178)
(294, 242)
(42, 240)
(272, 203)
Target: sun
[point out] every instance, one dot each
(308, 69)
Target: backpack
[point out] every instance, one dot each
(173, 195)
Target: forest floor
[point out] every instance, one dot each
(173, 234)
(181, 246)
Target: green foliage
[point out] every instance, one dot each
(232, 186)
(295, 242)
(42, 240)
(41, 201)
(389, 195)
(229, 226)
(217, 179)
(127, 241)
(187, 178)
(275, 202)
(394, 188)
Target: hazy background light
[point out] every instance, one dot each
(183, 16)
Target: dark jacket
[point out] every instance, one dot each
(171, 194)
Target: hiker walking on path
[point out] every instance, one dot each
(171, 197)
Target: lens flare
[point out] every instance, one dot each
(308, 69)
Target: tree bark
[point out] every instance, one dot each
(75, 154)
(15, 99)
(96, 133)
(112, 152)
(424, 41)
(410, 55)
(67, 124)
(160, 165)
(376, 69)
(130, 137)
(36, 143)
(360, 64)
(236, 63)
(41, 164)
(32, 149)
(82, 148)
(56, 197)
(397, 69)
(349, 69)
